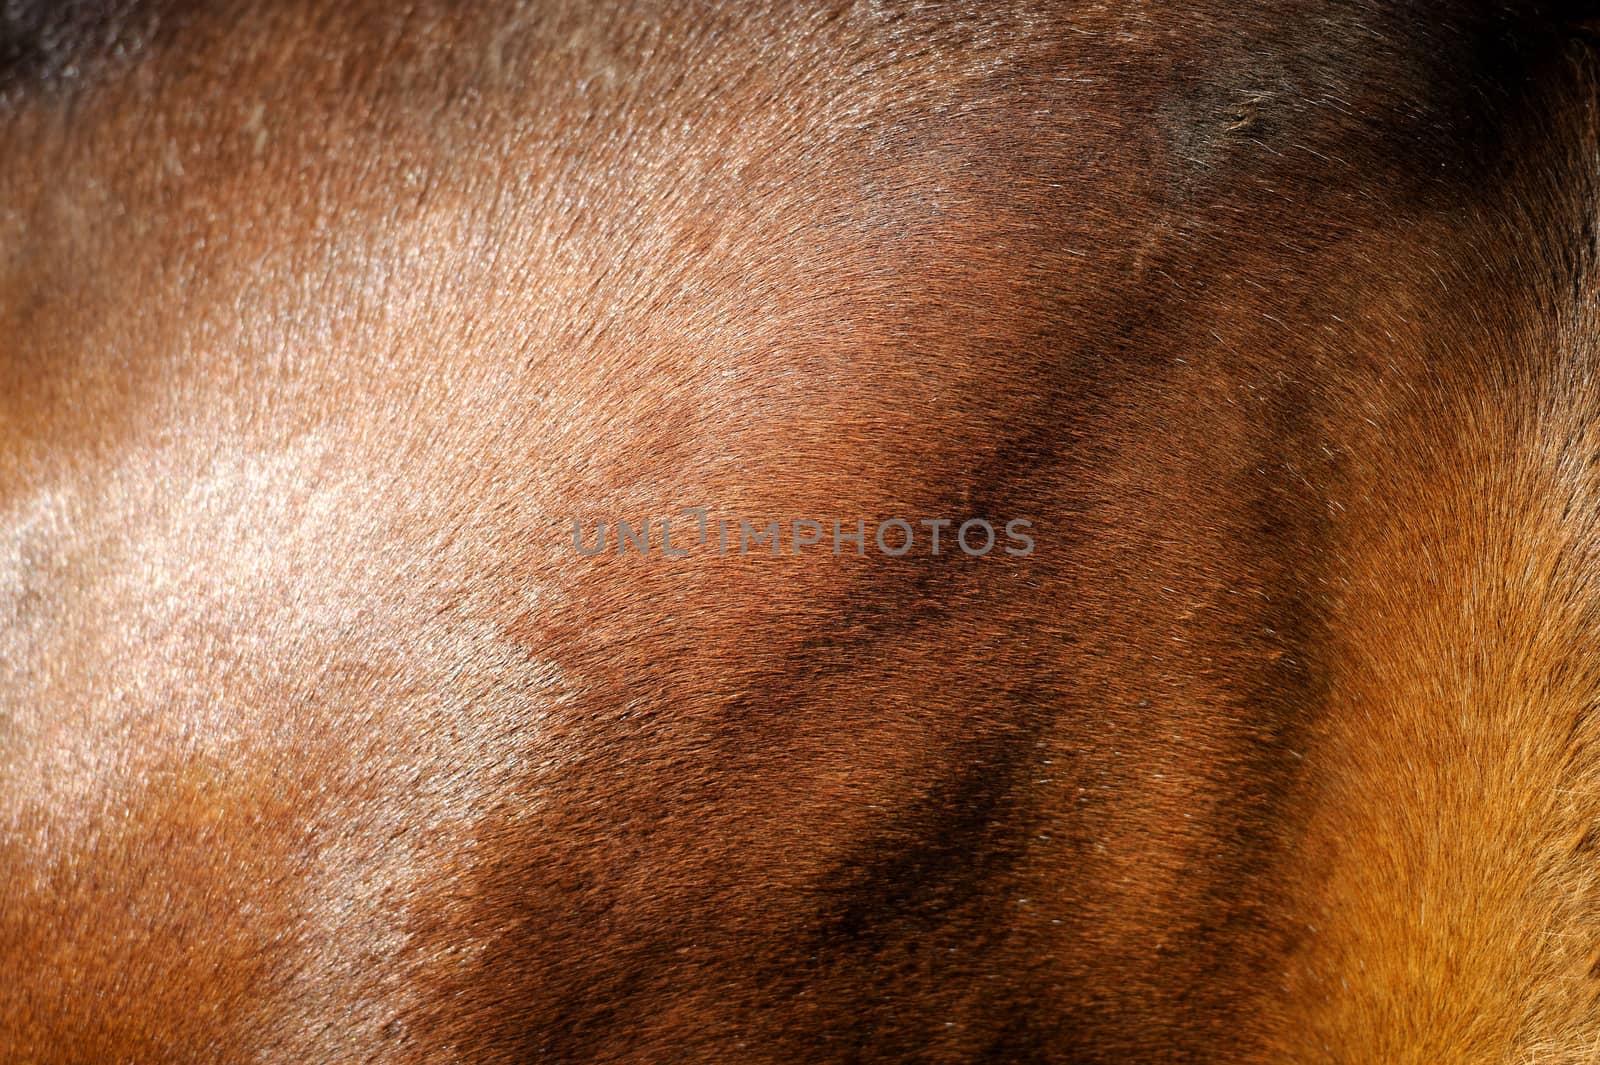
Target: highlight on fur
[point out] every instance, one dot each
(321, 325)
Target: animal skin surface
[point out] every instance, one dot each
(322, 325)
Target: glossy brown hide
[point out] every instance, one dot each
(319, 324)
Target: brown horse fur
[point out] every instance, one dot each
(320, 322)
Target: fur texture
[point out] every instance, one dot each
(318, 323)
